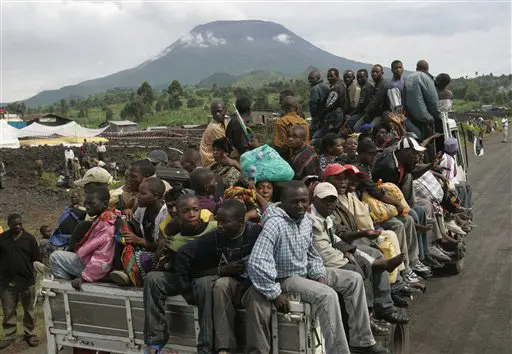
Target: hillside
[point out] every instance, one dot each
(234, 47)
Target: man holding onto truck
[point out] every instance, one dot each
(284, 260)
(221, 254)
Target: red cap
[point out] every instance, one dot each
(336, 169)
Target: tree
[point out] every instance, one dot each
(194, 102)
(261, 102)
(472, 91)
(133, 109)
(175, 88)
(109, 114)
(145, 91)
(175, 102)
(162, 103)
(175, 92)
(81, 113)
(63, 108)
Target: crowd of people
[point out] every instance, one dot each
(366, 219)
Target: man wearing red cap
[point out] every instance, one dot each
(338, 176)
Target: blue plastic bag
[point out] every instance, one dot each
(265, 164)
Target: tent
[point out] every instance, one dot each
(72, 129)
(8, 136)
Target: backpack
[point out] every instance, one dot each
(67, 223)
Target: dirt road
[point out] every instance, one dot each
(471, 312)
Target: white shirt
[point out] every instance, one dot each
(69, 154)
(102, 148)
(504, 122)
(450, 174)
(138, 216)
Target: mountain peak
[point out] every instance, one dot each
(234, 47)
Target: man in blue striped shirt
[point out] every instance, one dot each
(284, 260)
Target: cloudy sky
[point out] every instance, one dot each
(47, 45)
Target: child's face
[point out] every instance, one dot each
(337, 148)
(75, 198)
(145, 198)
(296, 139)
(211, 185)
(188, 164)
(94, 205)
(46, 232)
(351, 145)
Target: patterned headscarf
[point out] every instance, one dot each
(245, 195)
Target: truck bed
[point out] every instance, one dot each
(110, 318)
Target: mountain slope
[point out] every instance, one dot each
(234, 47)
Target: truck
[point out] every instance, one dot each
(106, 317)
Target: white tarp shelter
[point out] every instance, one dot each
(8, 136)
(72, 129)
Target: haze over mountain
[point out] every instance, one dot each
(229, 47)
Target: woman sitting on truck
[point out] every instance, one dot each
(95, 252)
(225, 167)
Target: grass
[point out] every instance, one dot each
(185, 115)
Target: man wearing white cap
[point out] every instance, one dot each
(338, 254)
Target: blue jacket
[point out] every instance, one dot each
(421, 99)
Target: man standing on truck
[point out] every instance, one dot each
(221, 254)
(317, 98)
(18, 251)
(284, 260)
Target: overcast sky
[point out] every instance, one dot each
(47, 45)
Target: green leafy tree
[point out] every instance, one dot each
(194, 102)
(175, 91)
(175, 88)
(109, 114)
(145, 91)
(472, 91)
(133, 109)
(175, 102)
(63, 108)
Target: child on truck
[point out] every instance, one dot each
(95, 251)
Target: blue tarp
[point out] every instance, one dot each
(18, 125)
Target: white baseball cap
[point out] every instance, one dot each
(324, 190)
(410, 143)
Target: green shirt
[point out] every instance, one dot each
(178, 241)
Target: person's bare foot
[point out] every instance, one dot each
(423, 228)
(388, 265)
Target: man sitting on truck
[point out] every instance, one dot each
(221, 256)
(338, 253)
(284, 260)
(158, 285)
(95, 251)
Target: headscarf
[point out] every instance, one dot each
(245, 195)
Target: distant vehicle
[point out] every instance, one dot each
(486, 107)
